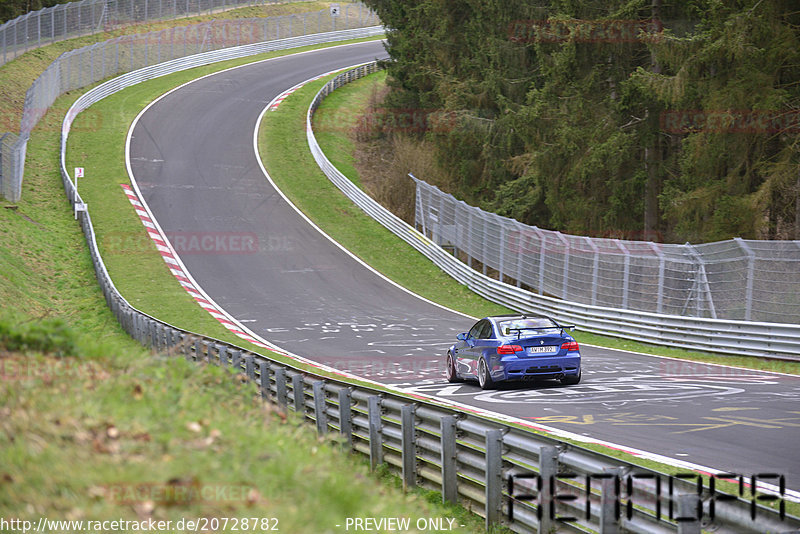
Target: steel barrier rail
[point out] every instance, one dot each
(469, 458)
(774, 340)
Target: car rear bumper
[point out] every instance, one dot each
(515, 368)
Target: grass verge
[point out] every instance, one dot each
(104, 431)
(293, 168)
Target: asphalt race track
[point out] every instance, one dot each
(192, 156)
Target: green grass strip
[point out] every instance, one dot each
(294, 170)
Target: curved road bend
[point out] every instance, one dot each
(192, 156)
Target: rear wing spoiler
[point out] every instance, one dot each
(519, 330)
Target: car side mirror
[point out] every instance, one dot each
(462, 336)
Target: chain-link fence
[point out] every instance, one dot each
(90, 64)
(66, 21)
(735, 280)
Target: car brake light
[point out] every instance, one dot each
(570, 346)
(508, 349)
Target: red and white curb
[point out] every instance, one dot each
(176, 267)
(281, 97)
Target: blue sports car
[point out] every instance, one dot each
(515, 347)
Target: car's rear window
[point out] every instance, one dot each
(528, 327)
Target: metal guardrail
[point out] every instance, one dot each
(775, 340)
(503, 473)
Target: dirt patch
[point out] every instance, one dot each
(383, 158)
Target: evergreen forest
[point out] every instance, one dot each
(665, 120)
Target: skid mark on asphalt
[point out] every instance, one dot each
(705, 423)
(627, 390)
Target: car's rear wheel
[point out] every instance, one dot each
(571, 380)
(484, 378)
(452, 375)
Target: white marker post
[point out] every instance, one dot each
(334, 14)
(78, 174)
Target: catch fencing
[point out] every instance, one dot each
(738, 279)
(12, 158)
(726, 336)
(90, 64)
(501, 471)
(88, 17)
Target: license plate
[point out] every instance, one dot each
(547, 349)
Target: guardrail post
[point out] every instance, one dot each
(280, 386)
(449, 469)
(548, 468)
(688, 512)
(166, 340)
(164, 336)
(223, 356)
(182, 344)
(198, 350)
(263, 378)
(319, 407)
(169, 340)
(346, 417)
(209, 351)
(130, 322)
(409, 446)
(151, 334)
(236, 361)
(375, 435)
(609, 501)
(250, 367)
(298, 394)
(494, 476)
(159, 344)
